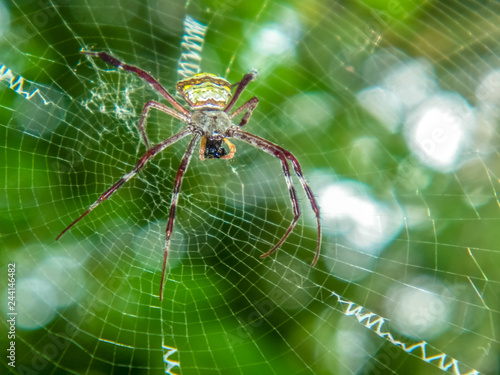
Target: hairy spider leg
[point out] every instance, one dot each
(142, 74)
(142, 161)
(283, 155)
(310, 196)
(249, 106)
(173, 204)
(293, 196)
(162, 107)
(247, 78)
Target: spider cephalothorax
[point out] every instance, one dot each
(214, 126)
(210, 121)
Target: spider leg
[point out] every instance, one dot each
(249, 106)
(247, 78)
(293, 199)
(162, 107)
(142, 161)
(142, 74)
(310, 196)
(283, 155)
(173, 204)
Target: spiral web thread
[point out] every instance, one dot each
(21, 86)
(376, 323)
(191, 47)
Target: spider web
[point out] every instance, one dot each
(391, 108)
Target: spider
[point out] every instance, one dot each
(210, 122)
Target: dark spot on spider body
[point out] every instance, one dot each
(214, 149)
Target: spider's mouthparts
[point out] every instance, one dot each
(214, 149)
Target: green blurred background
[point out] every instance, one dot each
(89, 302)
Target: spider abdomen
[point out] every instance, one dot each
(205, 91)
